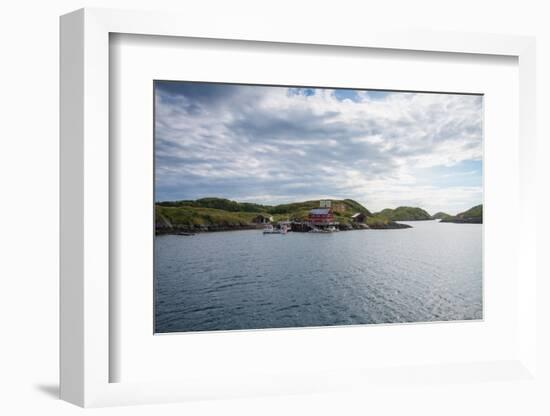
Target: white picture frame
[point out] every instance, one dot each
(85, 210)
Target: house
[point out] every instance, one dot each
(358, 217)
(262, 219)
(321, 216)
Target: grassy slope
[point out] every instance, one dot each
(217, 203)
(405, 214)
(189, 215)
(476, 211)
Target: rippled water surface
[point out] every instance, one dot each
(247, 280)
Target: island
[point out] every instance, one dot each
(441, 215)
(404, 214)
(472, 216)
(220, 214)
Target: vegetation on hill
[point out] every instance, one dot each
(405, 214)
(440, 216)
(472, 216)
(223, 214)
(216, 203)
(343, 206)
(197, 216)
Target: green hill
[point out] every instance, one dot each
(440, 216)
(472, 216)
(213, 214)
(405, 214)
(198, 216)
(216, 203)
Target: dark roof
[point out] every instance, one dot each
(320, 211)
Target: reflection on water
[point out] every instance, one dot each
(247, 280)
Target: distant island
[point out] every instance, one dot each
(472, 216)
(440, 215)
(405, 214)
(219, 214)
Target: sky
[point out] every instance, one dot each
(273, 145)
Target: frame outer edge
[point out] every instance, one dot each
(84, 178)
(95, 194)
(71, 208)
(528, 205)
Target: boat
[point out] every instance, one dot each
(330, 229)
(269, 229)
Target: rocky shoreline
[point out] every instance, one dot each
(186, 229)
(195, 229)
(392, 226)
(477, 220)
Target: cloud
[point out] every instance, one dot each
(277, 144)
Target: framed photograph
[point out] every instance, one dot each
(307, 164)
(271, 213)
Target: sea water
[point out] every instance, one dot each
(248, 280)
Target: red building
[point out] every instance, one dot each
(321, 216)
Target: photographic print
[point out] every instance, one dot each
(293, 207)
